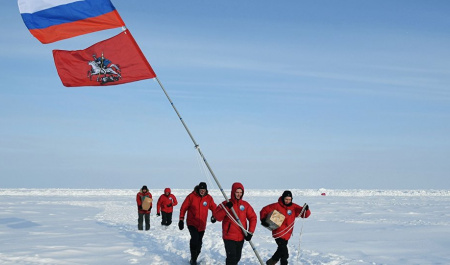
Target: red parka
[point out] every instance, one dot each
(197, 208)
(244, 211)
(166, 202)
(289, 211)
(140, 198)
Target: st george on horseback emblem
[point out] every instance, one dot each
(104, 70)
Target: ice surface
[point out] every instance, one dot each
(93, 226)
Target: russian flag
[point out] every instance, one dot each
(54, 20)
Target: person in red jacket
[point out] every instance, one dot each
(282, 234)
(232, 234)
(196, 205)
(165, 205)
(143, 213)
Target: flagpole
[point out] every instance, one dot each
(209, 168)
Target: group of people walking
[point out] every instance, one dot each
(237, 216)
(164, 207)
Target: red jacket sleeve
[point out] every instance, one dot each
(138, 200)
(212, 205)
(185, 206)
(252, 219)
(158, 205)
(151, 204)
(265, 211)
(298, 210)
(174, 199)
(219, 213)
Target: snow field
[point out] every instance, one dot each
(65, 226)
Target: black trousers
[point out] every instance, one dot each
(234, 251)
(282, 253)
(195, 244)
(141, 217)
(166, 218)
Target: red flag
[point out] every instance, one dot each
(114, 61)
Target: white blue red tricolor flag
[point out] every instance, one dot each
(54, 20)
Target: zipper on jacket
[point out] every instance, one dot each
(228, 229)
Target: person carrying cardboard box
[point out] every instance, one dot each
(144, 204)
(280, 218)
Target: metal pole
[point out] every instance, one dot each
(209, 168)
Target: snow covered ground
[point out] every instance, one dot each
(72, 226)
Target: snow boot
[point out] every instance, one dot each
(194, 256)
(271, 262)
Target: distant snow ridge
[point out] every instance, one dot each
(216, 192)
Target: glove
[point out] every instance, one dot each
(158, 214)
(306, 208)
(248, 237)
(140, 207)
(181, 224)
(169, 205)
(213, 220)
(264, 223)
(229, 204)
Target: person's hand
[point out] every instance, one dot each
(181, 224)
(213, 220)
(248, 237)
(264, 223)
(158, 214)
(306, 207)
(140, 207)
(229, 204)
(169, 205)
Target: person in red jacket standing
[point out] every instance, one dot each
(143, 213)
(165, 205)
(196, 205)
(232, 234)
(282, 234)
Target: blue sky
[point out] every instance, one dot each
(287, 94)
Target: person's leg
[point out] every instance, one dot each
(276, 255)
(233, 250)
(200, 242)
(230, 250)
(283, 251)
(169, 219)
(140, 221)
(164, 218)
(239, 246)
(147, 221)
(194, 242)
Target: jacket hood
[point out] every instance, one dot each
(234, 187)
(197, 191)
(281, 202)
(167, 190)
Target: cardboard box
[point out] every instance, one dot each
(146, 203)
(274, 219)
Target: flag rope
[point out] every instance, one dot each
(208, 166)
